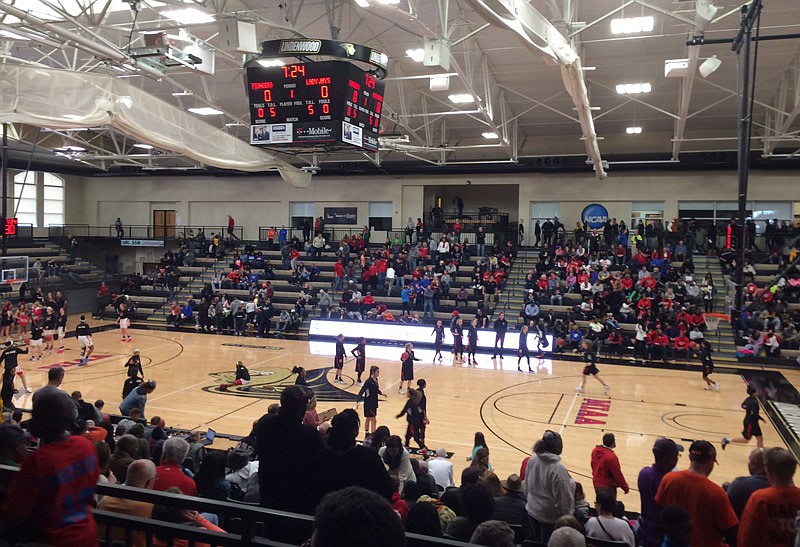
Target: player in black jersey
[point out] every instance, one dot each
(360, 353)
(338, 359)
(708, 366)
(369, 394)
(84, 334)
(242, 377)
(752, 417)
(522, 349)
(61, 329)
(134, 365)
(438, 331)
(37, 339)
(457, 330)
(9, 358)
(500, 327)
(590, 358)
(472, 342)
(49, 324)
(124, 321)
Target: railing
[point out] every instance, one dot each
(333, 235)
(245, 524)
(138, 231)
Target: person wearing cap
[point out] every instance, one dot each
(13, 445)
(51, 497)
(712, 514)
(769, 516)
(751, 426)
(510, 507)
(137, 398)
(606, 473)
(665, 452)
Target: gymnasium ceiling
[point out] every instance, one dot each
(523, 98)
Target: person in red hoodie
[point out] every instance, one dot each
(606, 473)
(680, 346)
(657, 343)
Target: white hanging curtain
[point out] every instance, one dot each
(62, 99)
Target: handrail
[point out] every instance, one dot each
(138, 231)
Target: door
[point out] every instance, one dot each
(164, 223)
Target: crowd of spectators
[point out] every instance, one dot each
(368, 494)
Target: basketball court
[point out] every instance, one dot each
(512, 408)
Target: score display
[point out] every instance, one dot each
(325, 102)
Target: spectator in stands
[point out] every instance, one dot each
(741, 488)
(477, 505)
(665, 452)
(494, 533)
(141, 474)
(712, 515)
(210, 478)
(284, 477)
(123, 456)
(344, 463)
(137, 398)
(510, 507)
(606, 473)
(769, 515)
(566, 537)
(356, 517)
(170, 473)
(396, 459)
(605, 525)
(549, 487)
(51, 497)
(441, 469)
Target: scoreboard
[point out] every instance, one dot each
(314, 103)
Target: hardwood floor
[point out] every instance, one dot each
(512, 408)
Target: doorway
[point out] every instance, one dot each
(164, 223)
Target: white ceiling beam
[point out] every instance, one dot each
(787, 99)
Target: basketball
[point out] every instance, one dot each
(404, 356)
(693, 346)
(561, 342)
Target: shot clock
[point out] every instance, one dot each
(316, 103)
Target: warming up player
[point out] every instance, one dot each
(84, 334)
(369, 393)
(124, 321)
(242, 377)
(472, 342)
(438, 331)
(360, 353)
(407, 367)
(523, 350)
(590, 358)
(751, 418)
(61, 328)
(9, 359)
(708, 366)
(338, 359)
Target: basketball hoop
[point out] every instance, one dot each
(713, 319)
(15, 284)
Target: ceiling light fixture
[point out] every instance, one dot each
(205, 111)
(183, 93)
(13, 35)
(633, 130)
(633, 89)
(188, 16)
(490, 135)
(676, 68)
(708, 66)
(389, 2)
(143, 146)
(269, 63)
(439, 83)
(632, 25)
(362, 3)
(461, 98)
(417, 55)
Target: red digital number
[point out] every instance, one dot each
(378, 107)
(310, 109)
(267, 95)
(10, 226)
(355, 96)
(260, 112)
(323, 92)
(326, 108)
(291, 93)
(272, 112)
(294, 71)
(369, 81)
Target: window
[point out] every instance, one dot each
(39, 199)
(53, 200)
(25, 198)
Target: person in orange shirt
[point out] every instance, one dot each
(769, 516)
(712, 514)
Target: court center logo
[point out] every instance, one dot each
(268, 383)
(595, 215)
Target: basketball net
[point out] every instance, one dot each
(713, 319)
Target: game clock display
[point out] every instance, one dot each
(314, 103)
